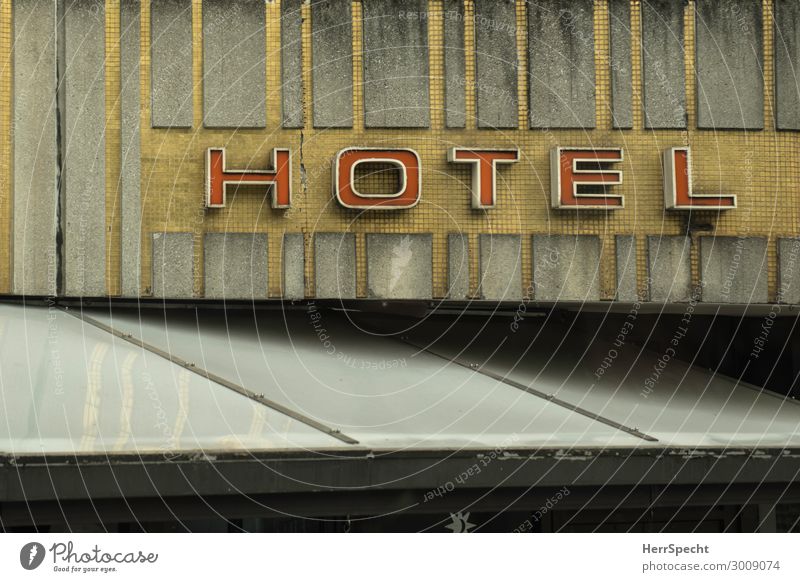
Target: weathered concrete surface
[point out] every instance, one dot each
(234, 69)
(663, 64)
(501, 267)
(454, 64)
(496, 63)
(730, 82)
(626, 268)
(294, 278)
(335, 265)
(84, 185)
(171, 63)
(566, 267)
(396, 63)
(621, 72)
(561, 91)
(788, 271)
(291, 64)
(35, 148)
(235, 266)
(399, 266)
(669, 268)
(733, 269)
(787, 64)
(332, 59)
(457, 266)
(130, 150)
(173, 265)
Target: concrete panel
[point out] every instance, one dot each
(664, 90)
(84, 184)
(291, 64)
(496, 63)
(501, 267)
(733, 269)
(454, 64)
(332, 57)
(669, 268)
(173, 265)
(400, 266)
(626, 268)
(335, 265)
(619, 12)
(235, 266)
(130, 150)
(35, 148)
(171, 63)
(566, 267)
(788, 271)
(787, 64)
(396, 63)
(730, 81)
(234, 67)
(294, 278)
(457, 266)
(561, 90)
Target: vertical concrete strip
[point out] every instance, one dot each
(130, 151)
(496, 64)
(561, 90)
(395, 45)
(294, 278)
(400, 266)
(733, 269)
(235, 266)
(663, 64)
(501, 267)
(566, 267)
(457, 266)
(626, 268)
(335, 265)
(729, 59)
(787, 64)
(173, 265)
(619, 14)
(171, 63)
(35, 148)
(234, 67)
(332, 61)
(788, 271)
(291, 64)
(84, 183)
(669, 268)
(454, 65)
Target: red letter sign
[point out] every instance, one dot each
(218, 177)
(579, 178)
(406, 161)
(484, 171)
(678, 193)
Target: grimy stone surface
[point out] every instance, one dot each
(399, 266)
(234, 68)
(294, 278)
(395, 44)
(788, 270)
(173, 265)
(561, 90)
(454, 64)
(335, 265)
(171, 63)
(621, 71)
(130, 150)
(669, 268)
(787, 64)
(566, 267)
(501, 267)
(332, 61)
(730, 82)
(626, 268)
(235, 266)
(84, 184)
(664, 91)
(457, 266)
(291, 64)
(733, 269)
(496, 64)
(34, 125)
